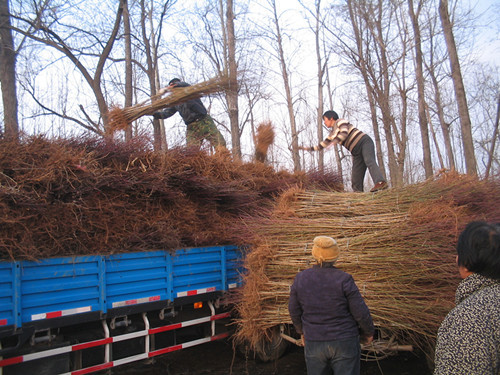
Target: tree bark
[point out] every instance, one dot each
(8, 73)
(442, 122)
(491, 155)
(320, 71)
(288, 92)
(422, 119)
(232, 92)
(128, 65)
(456, 75)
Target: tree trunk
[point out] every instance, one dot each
(128, 65)
(150, 48)
(491, 155)
(232, 98)
(8, 73)
(338, 156)
(422, 119)
(288, 93)
(442, 122)
(320, 71)
(456, 75)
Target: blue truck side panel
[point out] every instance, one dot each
(134, 276)
(49, 288)
(60, 284)
(8, 294)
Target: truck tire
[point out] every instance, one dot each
(271, 350)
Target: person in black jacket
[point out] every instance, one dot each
(329, 313)
(200, 125)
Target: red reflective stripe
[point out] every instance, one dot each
(54, 314)
(131, 302)
(192, 292)
(219, 316)
(3, 322)
(88, 370)
(165, 328)
(91, 344)
(11, 361)
(165, 350)
(155, 298)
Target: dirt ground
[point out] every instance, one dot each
(218, 358)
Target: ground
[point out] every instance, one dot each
(218, 358)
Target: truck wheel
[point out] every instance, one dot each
(271, 350)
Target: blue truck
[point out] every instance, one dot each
(82, 314)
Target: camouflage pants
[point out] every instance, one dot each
(202, 129)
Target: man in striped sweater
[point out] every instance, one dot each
(359, 144)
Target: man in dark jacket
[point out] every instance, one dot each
(329, 312)
(200, 125)
(468, 341)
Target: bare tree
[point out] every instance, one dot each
(128, 65)
(419, 72)
(456, 75)
(40, 30)
(431, 68)
(288, 89)
(369, 37)
(339, 153)
(8, 73)
(494, 141)
(232, 67)
(150, 42)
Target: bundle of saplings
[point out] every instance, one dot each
(83, 196)
(398, 244)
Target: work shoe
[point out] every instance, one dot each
(381, 185)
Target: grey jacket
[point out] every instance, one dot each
(468, 340)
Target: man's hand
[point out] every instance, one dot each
(162, 91)
(366, 340)
(301, 341)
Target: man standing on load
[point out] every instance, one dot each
(200, 125)
(359, 144)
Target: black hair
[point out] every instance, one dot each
(478, 248)
(174, 80)
(331, 115)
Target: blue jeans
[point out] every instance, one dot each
(341, 356)
(363, 156)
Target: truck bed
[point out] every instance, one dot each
(60, 291)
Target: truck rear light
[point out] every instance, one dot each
(198, 305)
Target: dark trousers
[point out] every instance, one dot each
(363, 157)
(340, 356)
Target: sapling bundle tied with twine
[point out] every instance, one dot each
(398, 244)
(120, 118)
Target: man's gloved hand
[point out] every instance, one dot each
(162, 90)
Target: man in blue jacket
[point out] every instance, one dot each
(328, 311)
(200, 125)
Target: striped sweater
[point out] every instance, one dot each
(343, 133)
